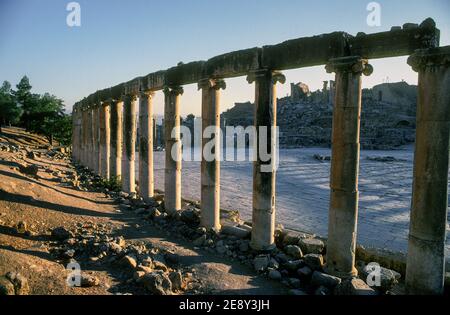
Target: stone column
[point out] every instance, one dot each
(96, 138)
(129, 144)
(104, 140)
(146, 182)
(90, 153)
(264, 172)
(210, 166)
(115, 161)
(79, 135)
(172, 176)
(84, 116)
(343, 213)
(426, 260)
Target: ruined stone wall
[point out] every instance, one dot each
(307, 121)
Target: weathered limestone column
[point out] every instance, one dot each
(264, 172)
(90, 153)
(115, 161)
(172, 176)
(84, 155)
(146, 181)
(96, 138)
(210, 166)
(104, 140)
(425, 260)
(79, 129)
(343, 213)
(129, 144)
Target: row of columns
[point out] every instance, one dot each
(425, 264)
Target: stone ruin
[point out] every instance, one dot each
(388, 116)
(104, 131)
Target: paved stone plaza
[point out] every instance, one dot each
(303, 193)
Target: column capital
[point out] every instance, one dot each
(274, 76)
(354, 64)
(215, 84)
(146, 94)
(423, 58)
(173, 90)
(131, 97)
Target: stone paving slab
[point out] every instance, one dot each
(303, 193)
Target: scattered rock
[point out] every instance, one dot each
(314, 261)
(261, 262)
(304, 272)
(176, 279)
(294, 251)
(312, 245)
(322, 279)
(128, 262)
(189, 217)
(157, 283)
(6, 287)
(21, 227)
(274, 275)
(322, 290)
(199, 241)
(296, 292)
(89, 281)
(236, 231)
(61, 234)
(354, 286)
(293, 265)
(388, 277)
(295, 283)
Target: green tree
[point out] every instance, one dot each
(9, 111)
(24, 98)
(46, 116)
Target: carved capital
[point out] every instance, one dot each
(430, 58)
(146, 94)
(274, 76)
(215, 84)
(353, 64)
(278, 77)
(129, 97)
(173, 90)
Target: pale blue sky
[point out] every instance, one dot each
(119, 40)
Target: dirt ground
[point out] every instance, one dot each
(44, 202)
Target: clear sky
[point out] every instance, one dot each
(119, 40)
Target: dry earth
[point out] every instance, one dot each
(46, 201)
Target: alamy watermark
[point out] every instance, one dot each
(74, 17)
(237, 143)
(374, 17)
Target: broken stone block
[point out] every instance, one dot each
(157, 283)
(311, 245)
(322, 279)
(294, 251)
(261, 262)
(314, 261)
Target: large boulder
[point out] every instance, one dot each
(157, 282)
(311, 245)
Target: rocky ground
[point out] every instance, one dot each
(65, 231)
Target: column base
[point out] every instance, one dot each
(340, 274)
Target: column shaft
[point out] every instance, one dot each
(129, 144)
(210, 165)
(264, 172)
(96, 139)
(116, 139)
(425, 260)
(104, 140)
(172, 176)
(146, 182)
(343, 211)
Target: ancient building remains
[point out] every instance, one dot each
(348, 58)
